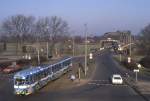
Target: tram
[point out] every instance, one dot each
(30, 80)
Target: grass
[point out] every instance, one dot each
(117, 57)
(91, 67)
(79, 49)
(145, 71)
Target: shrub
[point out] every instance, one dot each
(145, 62)
(132, 65)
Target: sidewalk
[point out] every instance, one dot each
(142, 87)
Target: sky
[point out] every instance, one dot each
(101, 16)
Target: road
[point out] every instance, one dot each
(97, 89)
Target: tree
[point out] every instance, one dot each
(145, 39)
(18, 26)
(51, 28)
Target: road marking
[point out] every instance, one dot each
(8, 77)
(103, 84)
(101, 80)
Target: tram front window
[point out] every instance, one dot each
(19, 81)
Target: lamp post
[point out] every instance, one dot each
(47, 44)
(85, 49)
(47, 50)
(120, 49)
(73, 43)
(130, 44)
(38, 52)
(136, 71)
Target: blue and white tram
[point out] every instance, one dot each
(32, 79)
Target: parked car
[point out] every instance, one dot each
(12, 68)
(116, 79)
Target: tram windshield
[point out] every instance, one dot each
(19, 81)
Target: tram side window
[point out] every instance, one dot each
(54, 68)
(49, 70)
(27, 80)
(60, 66)
(45, 72)
(32, 78)
(42, 74)
(38, 75)
(66, 63)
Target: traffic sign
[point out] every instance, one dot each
(139, 65)
(91, 56)
(136, 70)
(129, 59)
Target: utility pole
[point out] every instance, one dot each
(73, 43)
(79, 74)
(38, 51)
(47, 50)
(130, 45)
(85, 49)
(47, 44)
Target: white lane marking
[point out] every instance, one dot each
(101, 80)
(98, 84)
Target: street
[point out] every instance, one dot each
(98, 88)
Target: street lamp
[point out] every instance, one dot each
(120, 49)
(139, 66)
(73, 43)
(47, 44)
(136, 72)
(130, 45)
(85, 49)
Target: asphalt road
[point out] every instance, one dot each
(97, 89)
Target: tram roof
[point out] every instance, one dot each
(32, 70)
(29, 71)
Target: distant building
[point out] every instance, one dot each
(122, 36)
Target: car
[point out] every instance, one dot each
(116, 79)
(12, 68)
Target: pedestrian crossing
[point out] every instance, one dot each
(8, 77)
(104, 83)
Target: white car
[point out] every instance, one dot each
(117, 79)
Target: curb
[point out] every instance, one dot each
(136, 90)
(132, 86)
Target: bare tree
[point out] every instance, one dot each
(58, 28)
(51, 28)
(18, 26)
(145, 39)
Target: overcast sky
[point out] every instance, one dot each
(100, 15)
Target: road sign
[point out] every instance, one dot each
(136, 70)
(91, 56)
(139, 65)
(129, 59)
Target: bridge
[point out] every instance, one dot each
(117, 45)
